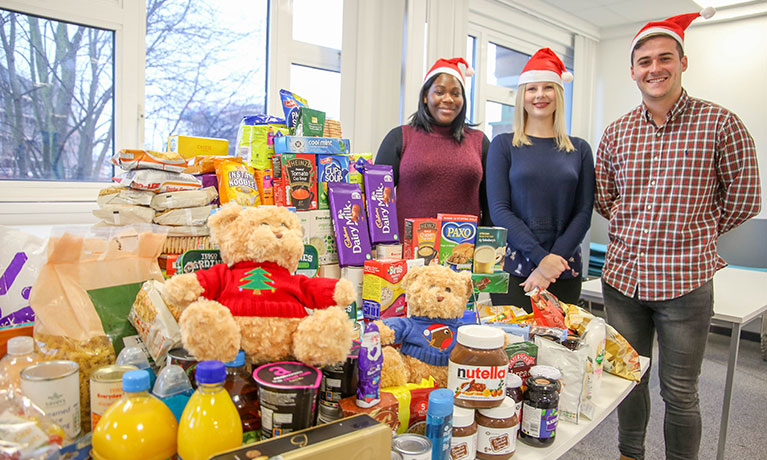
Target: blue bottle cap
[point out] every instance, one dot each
(440, 402)
(135, 381)
(210, 372)
(238, 361)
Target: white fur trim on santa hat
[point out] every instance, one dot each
(534, 76)
(447, 70)
(656, 31)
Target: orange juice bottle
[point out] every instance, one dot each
(210, 423)
(137, 426)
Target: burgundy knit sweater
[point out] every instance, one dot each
(434, 173)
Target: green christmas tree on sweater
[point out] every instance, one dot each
(258, 280)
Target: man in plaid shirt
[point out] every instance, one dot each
(672, 175)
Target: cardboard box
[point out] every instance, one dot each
(296, 185)
(311, 122)
(421, 240)
(359, 437)
(297, 144)
(382, 293)
(458, 233)
(330, 168)
(190, 146)
(495, 283)
(489, 249)
(318, 231)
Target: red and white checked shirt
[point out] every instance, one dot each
(669, 192)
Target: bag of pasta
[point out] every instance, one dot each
(83, 295)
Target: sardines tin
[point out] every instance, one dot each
(458, 233)
(382, 293)
(330, 168)
(352, 238)
(296, 144)
(489, 249)
(381, 203)
(54, 386)
(422, 240)
(297, 182)
(106, 388)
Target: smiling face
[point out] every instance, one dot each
(540, 100)
(657, 69)
(444, 99)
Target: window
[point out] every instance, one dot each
(504, 65)
(205, 68)
(471, 43)
(499, 118)
(318, 22)
(57, 95)
(320, 88)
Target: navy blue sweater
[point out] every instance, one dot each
(544, 197)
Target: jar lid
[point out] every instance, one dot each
(550, 372)
(440, 402)
(484, 337)
(21, 345)
(210, 372)
(540, 383)
(238, 361)
(462, 417)
(135, 381)
(507, 409)
(513, 380)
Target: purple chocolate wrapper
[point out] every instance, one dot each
(370, 363)
(350, 224)
(209, 180)
(381, 203)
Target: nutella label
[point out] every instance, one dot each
(473, 383)
(463, 447)
(497, 441)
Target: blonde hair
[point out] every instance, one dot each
(560, 125)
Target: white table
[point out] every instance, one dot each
(739, 297)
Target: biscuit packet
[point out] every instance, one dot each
(236, 183)
(84, 293)
(205, 164)
(154, 321)
(413, 399)
(547, 310)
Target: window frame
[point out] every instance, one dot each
(59, 199)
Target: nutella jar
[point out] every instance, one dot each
(497, 431)
(477, 368)
(514, 391)
(463, 444)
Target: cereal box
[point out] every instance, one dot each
(318, 232)
(297, 183)
(422, 240)
(381, 203)
(458, 233)
(330, 168)
(382, 293)
(190, 146)
(298, 144)
(350, 224)
(489, 249)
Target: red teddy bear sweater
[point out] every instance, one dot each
(265, 289)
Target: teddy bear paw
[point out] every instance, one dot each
(323, 338)
(208, 331)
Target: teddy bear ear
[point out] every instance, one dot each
(225, 216)
(410, 276)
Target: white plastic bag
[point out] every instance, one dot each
(21, 256)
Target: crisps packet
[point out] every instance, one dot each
(547, 311)
(236, 183)
(413, 399)
(290, 105)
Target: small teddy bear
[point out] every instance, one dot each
(436, 299)
(254, 302)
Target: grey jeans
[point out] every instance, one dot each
(682, 326)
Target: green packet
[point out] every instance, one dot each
(311, 122)
(198, 259)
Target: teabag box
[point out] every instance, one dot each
(330, 168)
(318, 232)
(458, 232)
(381, 203)
(350, 224)
(489, 249)
(422, 240)
(382, 293)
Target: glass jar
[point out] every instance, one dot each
(539, 412)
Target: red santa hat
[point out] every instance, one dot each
(545, 65)
(674, 26)
(450, 67)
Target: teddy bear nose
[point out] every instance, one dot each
(278, 235)
(440, 298)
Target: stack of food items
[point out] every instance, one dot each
(332, 129)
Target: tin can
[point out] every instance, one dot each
(330, 387)
(54, 386)
(106, 388)
(388, 251)
(395, 455)
(412, 446)
(328, 413)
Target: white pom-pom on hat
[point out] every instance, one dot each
(708, 12)
(468, 72)
(567, 77)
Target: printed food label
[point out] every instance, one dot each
(463, 448)
(497, 441)
(474, 383)
(539, 423)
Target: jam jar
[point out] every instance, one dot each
(497, 431)
(539, 412)
(463, 444)
(478, 366)
(514, 391)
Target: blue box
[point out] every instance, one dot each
(296, 144)
(330, 168)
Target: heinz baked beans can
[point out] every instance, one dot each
(54, 386)
(106, 388)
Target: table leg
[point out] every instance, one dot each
(733, 360)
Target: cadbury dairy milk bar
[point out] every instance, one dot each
(381, 204)
(346, 209)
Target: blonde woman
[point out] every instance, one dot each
(540, 186)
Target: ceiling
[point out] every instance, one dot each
(614, 13)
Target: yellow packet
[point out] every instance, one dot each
(236, 183)
(265, 186)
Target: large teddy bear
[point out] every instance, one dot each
(436, 301)
(252, 301)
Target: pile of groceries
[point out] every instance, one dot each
(95, 366)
